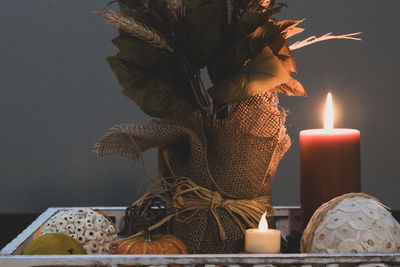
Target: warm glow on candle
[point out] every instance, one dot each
(263, 224)
(328, 122)
(329, 163)
(262, 240)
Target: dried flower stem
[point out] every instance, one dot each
(313, 39)
(203, 87)
(135, 28)
(194, 83)
(229, 7)
(177, 8)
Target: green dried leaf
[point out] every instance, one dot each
(261, 74)
(192, 4)
(131, 7)
(199, 32)
(159, 93)
(127, 73)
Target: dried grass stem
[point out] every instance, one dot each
(313, 39)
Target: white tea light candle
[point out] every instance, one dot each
(263, 240)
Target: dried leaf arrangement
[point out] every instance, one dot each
(219, 146)
(164, 45)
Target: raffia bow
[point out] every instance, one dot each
(190, 198)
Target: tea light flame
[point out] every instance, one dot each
(328, 122)
(263, 224)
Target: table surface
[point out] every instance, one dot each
(13, 224)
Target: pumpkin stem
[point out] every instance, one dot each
(147, 236)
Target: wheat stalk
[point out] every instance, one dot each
(313, 39)
(135, 28)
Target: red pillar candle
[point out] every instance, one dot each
(329, 163)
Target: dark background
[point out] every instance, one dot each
(58, 96)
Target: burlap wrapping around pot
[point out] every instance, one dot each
(236, 157)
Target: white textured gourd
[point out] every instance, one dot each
(93, 230)
(352, 223)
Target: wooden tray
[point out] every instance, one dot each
(287, 219)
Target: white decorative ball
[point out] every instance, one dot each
(93, 230)
(352, 223)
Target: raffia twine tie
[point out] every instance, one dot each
(190, 197)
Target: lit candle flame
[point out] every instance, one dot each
(263, 225)
(328, 122)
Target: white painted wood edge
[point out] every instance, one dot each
(230, 259)
(24, 236)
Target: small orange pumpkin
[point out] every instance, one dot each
(156, 244)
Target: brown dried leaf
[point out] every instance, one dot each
(291, 88)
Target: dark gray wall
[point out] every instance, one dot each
(363, 77)
(58, 96)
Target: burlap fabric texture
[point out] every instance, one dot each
(227, 167)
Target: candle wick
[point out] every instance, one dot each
(328, 122)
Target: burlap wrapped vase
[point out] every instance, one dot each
(217, 175)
